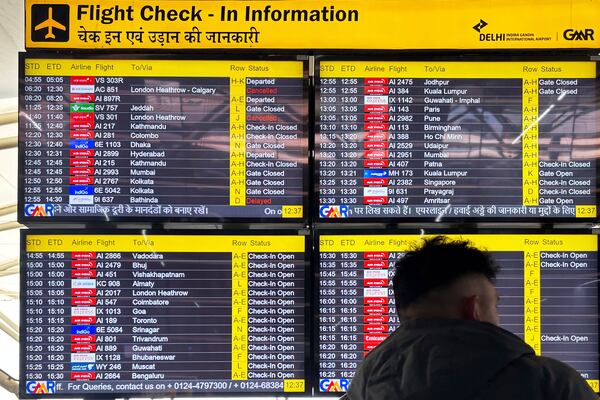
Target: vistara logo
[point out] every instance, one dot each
(480, 25)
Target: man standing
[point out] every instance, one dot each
(449, 345)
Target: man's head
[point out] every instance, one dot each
(444, 278)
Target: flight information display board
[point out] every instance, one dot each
(162, 139)
(547, 286)
(433, 140)
(134, 314)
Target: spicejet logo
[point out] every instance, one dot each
(584, 34)
(334, 385)
(333, 211)
(40, 387)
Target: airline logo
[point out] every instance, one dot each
(81, 180)
(375, 191)
(82, 108)
(379, 328)
(75, 190)
(82, 98)
(334, 385)
(83, 330)
(83, 320)
(85, 348)
(83, 366)
(377, 319)
(376, 173)
(375, 264)
(83, 264)
(83, 292)
(82, 89)
(375, 182)
(375, 274)
(376, 100)
(81, 171)
(39, 210)
(376, 163)
(377, 254)
(83, 311)
(87, 255)
(81, 144)
(81, 162)
(83, 301)
(376, 90)
(376, 81)
(81, 153)
(376, 310)
(377, 127)
(83, 376)
(376, 145)
(40, 387)
(82, 125)
(82, 80)
(83, 338)
(333, 211)
(82, 117)
(83, 274)
(376, 117)
(376, 154)
(376, 108)
(82, 134)
(375, 292)
(376, 136)
(83, 358)
(81, 200)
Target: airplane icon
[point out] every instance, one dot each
(50, 23)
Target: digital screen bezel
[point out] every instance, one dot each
(492, 56)
(504, 230)
(45, 221)
(308, 384)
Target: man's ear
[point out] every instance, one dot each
(470, 308)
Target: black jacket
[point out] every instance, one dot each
(452, 359)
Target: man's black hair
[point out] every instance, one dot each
(438, 263)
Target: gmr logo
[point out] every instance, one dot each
(333, 211)
(334, 385)
(40, 387)
(39, 210)
(572, 34)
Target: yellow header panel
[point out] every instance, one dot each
(453, 70)
(308, 24)
(163, 68)
(401, 243)
(163, 243)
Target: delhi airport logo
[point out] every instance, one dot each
(50, 23)
(480, 25)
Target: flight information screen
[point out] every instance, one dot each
(547, 286)
(134, 314)
(165, 139)
(435, 140)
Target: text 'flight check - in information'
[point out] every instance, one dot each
(162, 138)
(456, 140)
(106, 314)
(547, 286)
